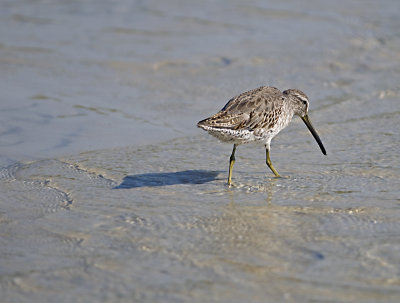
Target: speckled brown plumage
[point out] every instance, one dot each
(253, 109)
(258, 115)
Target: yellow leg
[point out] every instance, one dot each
(231, 162)
(270, 164)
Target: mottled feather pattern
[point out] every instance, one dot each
(250, 116)
(258, 116)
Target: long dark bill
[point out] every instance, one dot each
(314, 133)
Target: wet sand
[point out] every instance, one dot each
(109, 193)
(141, 224)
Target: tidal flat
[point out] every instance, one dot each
(109, 192)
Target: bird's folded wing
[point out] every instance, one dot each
(224, 120)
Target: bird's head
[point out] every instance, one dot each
(299, 103)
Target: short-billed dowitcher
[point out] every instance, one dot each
(258, 116)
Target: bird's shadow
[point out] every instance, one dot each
(168, 178)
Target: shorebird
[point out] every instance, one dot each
(258, 115)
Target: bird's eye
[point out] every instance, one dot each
(304, 102)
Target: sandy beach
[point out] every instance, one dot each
(109, 192)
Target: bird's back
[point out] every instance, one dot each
(259, 108)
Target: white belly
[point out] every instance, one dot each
(243, 136)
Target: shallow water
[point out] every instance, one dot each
(109, 193)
